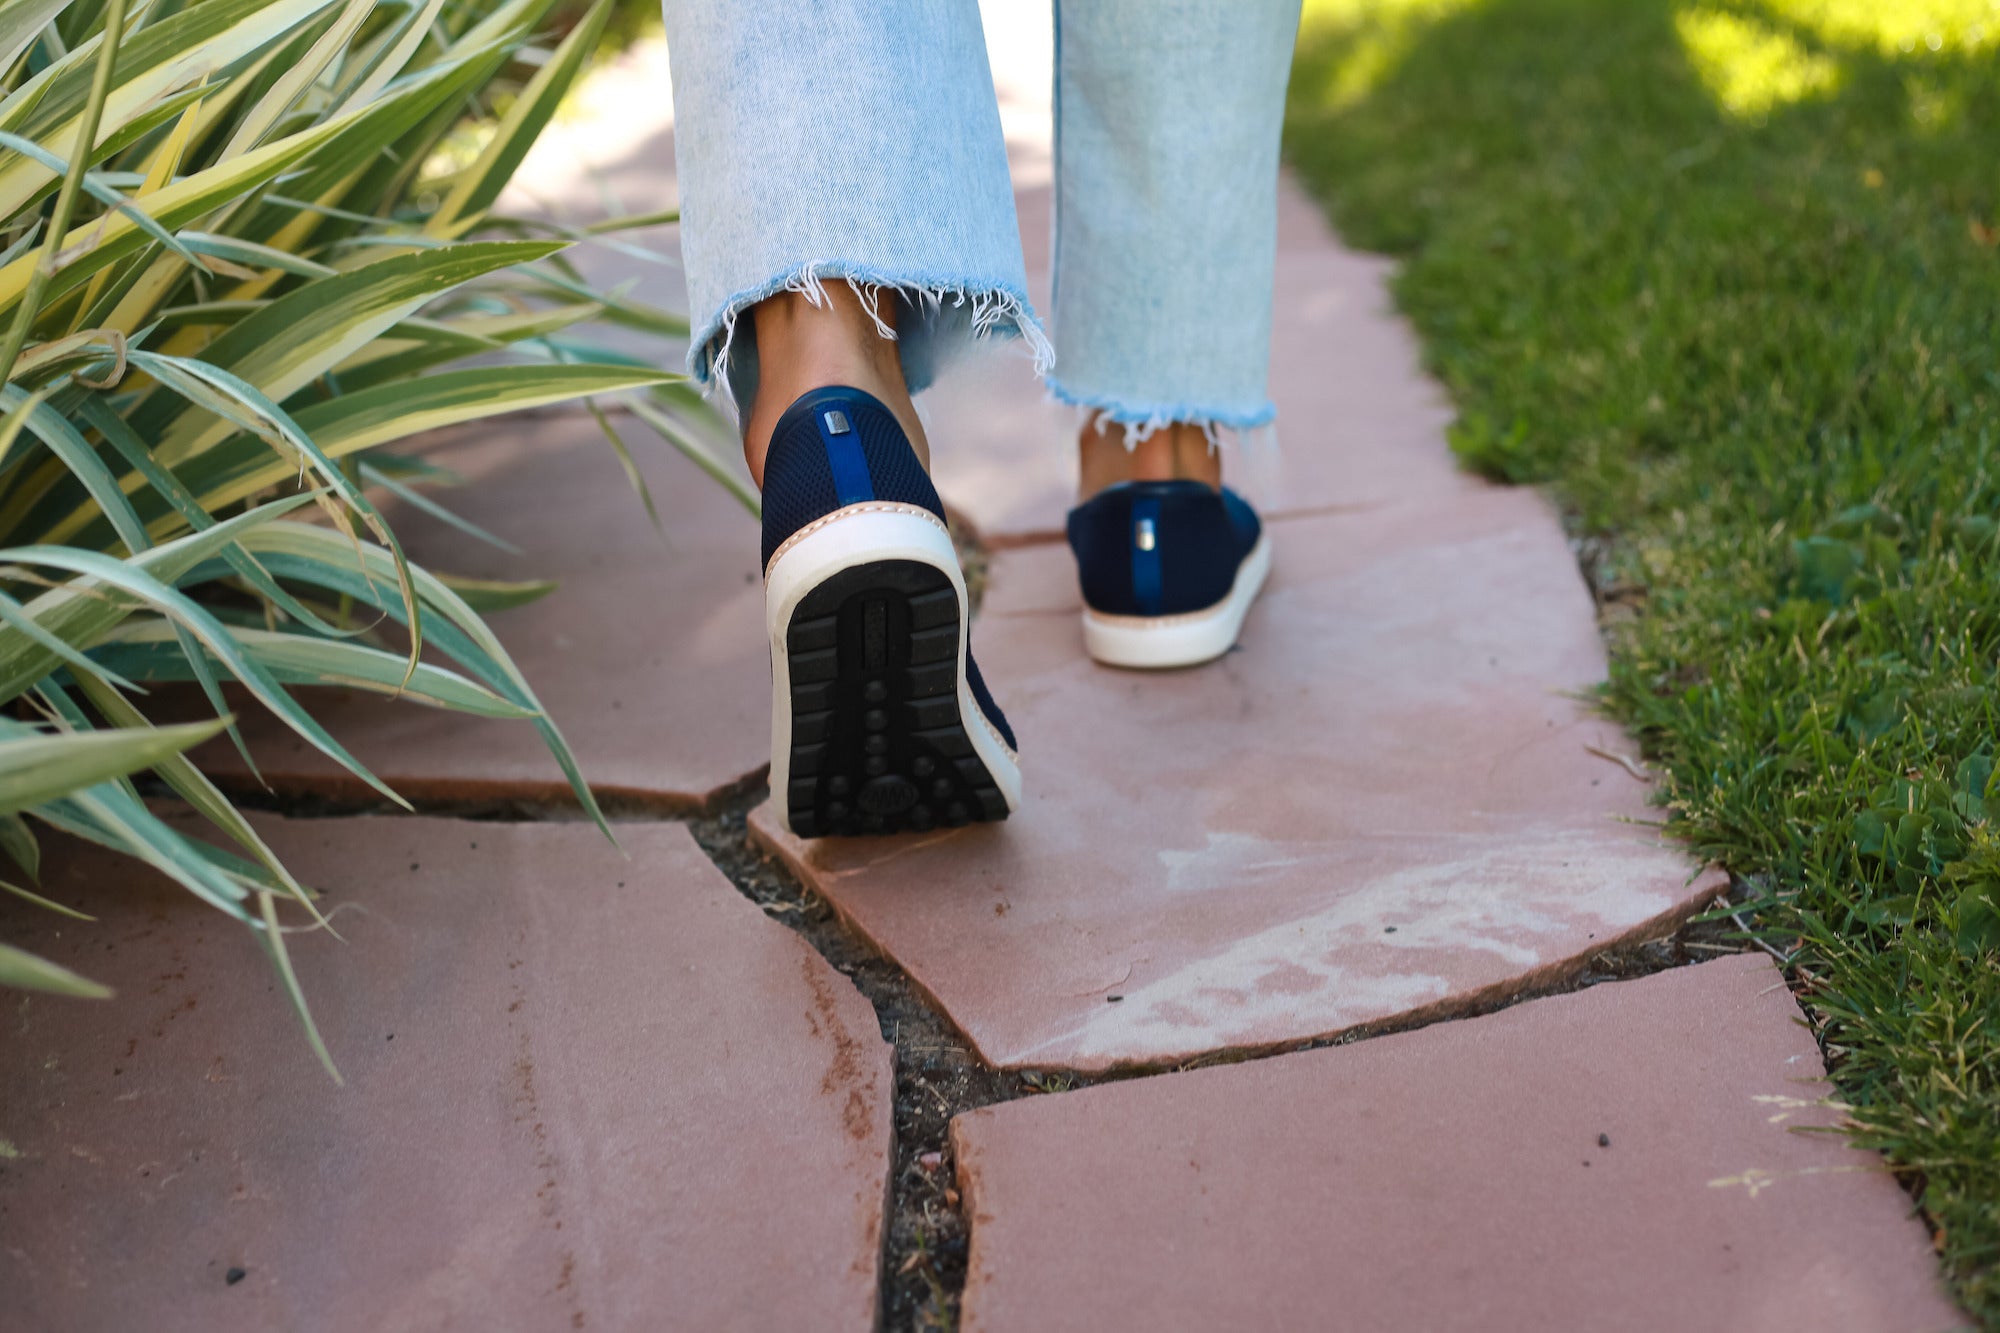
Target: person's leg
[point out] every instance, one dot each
(847, 221)
(1167, 121)
(1110, 451)
(846, 216)
(804, 345)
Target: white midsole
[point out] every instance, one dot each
(1151, 642)
(860, 535)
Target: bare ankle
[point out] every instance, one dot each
(1180, 451)
(803, 345)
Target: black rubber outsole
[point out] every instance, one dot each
(878, 744)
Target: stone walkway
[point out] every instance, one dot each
(583, 1090)
(604, 1091)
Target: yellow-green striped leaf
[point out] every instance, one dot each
(480, 184)
(163, 58)
(34, 769)
(357, 421)
(26, 971)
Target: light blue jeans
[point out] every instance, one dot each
(860, 140)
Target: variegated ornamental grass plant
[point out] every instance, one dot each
(246, 244)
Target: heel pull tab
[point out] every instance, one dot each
(1147, 588)
(849, 465)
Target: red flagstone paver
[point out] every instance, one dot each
(1384, 804)
(650, 656)
(1454, 1178)
(582, 1092)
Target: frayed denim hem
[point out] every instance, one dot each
(944, 306)
(1143, 419)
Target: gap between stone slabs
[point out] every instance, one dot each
(936, 1073)
(1390, 801)
(939, 1075)
(933, 1267)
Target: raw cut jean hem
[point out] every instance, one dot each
(1150, 417)
(947, 310)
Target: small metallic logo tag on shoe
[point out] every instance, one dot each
(836, 422)
(1143, 534)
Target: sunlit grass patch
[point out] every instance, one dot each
(1382, 31)
(1751, 66)
(1897, 26)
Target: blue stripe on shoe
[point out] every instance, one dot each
(843, 454)
(1147, 588)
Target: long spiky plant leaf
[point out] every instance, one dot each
(314, 554)
(25, 971)
(191, 786)
(480, 184)
(125, 578)
(47, 904)
(45, 260)
(355, 421)
(21, 23)
(34, 769)
(182, 50)
(231, 264)
(150, 653)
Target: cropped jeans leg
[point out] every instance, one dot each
(1167, 122)
(854, 140)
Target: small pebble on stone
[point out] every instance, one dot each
(234, 1276)
(1113, 999)
(1604, 1140)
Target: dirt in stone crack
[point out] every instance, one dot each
(937, 1076)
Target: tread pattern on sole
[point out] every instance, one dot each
(878, 744)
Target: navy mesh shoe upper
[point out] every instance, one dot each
(1160, 548)
(804, 480)
(984, 698)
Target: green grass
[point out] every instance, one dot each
(1724, 276)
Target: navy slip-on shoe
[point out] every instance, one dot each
(1169, 569)
(880, 722)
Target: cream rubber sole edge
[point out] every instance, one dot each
(862, 534)
(1152, 643)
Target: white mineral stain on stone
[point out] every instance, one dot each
(1504, 906)
(1230, 860)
